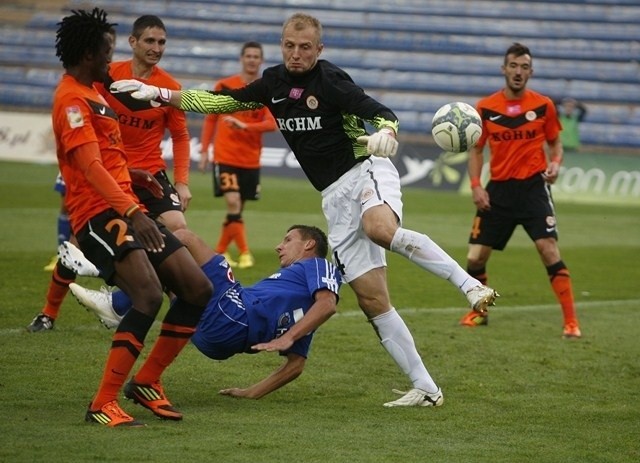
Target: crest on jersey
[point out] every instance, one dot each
(74, 116)
(284, 321)
(531, 116)
(366, 194)
(312, 102)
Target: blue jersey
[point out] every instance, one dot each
(237, 318)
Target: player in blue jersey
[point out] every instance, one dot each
(278, 313)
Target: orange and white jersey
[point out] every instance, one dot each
(516, 131)
(143, 123)
(233, 147)
(81, 115)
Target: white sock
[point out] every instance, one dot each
(397, 340)
(423, 251)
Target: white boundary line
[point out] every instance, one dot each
(499, 308)
(408, 310)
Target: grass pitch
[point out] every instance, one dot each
(514, 390)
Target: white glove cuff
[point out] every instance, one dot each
(164, 95)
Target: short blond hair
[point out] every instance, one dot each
(301, 21)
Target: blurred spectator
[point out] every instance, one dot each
(571, 112)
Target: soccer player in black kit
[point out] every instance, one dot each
(321, 113)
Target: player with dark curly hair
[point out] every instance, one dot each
(113, 230)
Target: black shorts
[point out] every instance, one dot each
(170, 200)
(108, 237)
(525, 202)
(227, 179)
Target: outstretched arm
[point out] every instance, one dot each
(198, 101)
(321, 310)
(286, 373)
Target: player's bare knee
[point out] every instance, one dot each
(478, 256)
(380, 232)
(475, 261)
(202, 293)
(184, 235)
(373, 306)
(148, 300)
(197, 291)
(173, 220)
(380, 223)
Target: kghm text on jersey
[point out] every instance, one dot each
(509, 135)
(299, 124)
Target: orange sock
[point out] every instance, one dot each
(58, 289)
(171, 341)
(240, 237)
(125, 349)
(562, 287)
(225, 238)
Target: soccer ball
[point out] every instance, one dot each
(456, 127)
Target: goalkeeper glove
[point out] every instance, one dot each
(141, 91)
(381, 143)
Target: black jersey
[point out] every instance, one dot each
(320, 115)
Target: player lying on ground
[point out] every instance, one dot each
(279, 313)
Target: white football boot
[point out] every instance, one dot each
(417, 398)
(481, 297)
(73, 258)
(97, 302)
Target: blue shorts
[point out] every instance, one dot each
(224, 327)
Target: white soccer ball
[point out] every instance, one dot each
(456, 127)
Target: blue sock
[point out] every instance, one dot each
(121, 302)
(64, 228)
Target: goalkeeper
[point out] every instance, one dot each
(321, 113)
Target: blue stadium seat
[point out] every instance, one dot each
(26, 96)
(610, 134)
(584, 21)
(610, 45)
(411, 54)
(568, 10)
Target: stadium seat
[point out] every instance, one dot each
(413, 55)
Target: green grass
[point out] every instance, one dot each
(514, 391)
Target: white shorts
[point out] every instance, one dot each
(370, 183)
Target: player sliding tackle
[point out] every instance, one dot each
(279, 313)
(321, 113)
